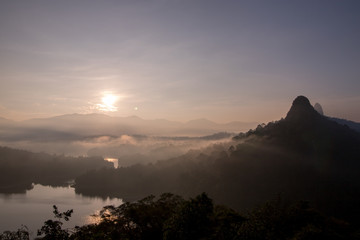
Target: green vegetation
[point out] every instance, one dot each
(172, 217)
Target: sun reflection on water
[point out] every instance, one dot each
(115, 161)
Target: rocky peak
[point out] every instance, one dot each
(301, 110)
(318, 108)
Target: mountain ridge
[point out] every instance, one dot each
(102, 124)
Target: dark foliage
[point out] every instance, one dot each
(52, 229)
(172, 217)
(20, 234)
(19, 169)
(168, 217)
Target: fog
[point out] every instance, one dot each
(131, 140)
(77, 126)
(128, 149)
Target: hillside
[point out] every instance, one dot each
(19, 169)
(304, 156)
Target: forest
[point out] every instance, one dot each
(19, 169)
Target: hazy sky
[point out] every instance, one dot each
(179, 59)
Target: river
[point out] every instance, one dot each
(35, 206)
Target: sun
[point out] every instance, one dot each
(108, 102)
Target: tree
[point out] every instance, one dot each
(193, 220)
(52, 230)
(20, 234)
(143, 219)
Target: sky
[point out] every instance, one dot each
(232, 60)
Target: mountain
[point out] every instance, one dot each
(318, 108)
(304, 128)
(301, 111)
(6, 125)
(353, 125)
(5, 121)
(305, 156)
(302, 117)
(201, 122)
(80, 126)
(206, 127)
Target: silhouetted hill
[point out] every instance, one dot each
(351, 124)
(307, 132)
(301, 111)
(19, 169)
(323, 156)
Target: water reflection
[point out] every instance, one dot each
(113, 160)
(35, 206)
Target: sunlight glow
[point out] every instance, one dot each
(108, 102)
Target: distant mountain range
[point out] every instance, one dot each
(78, 126)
